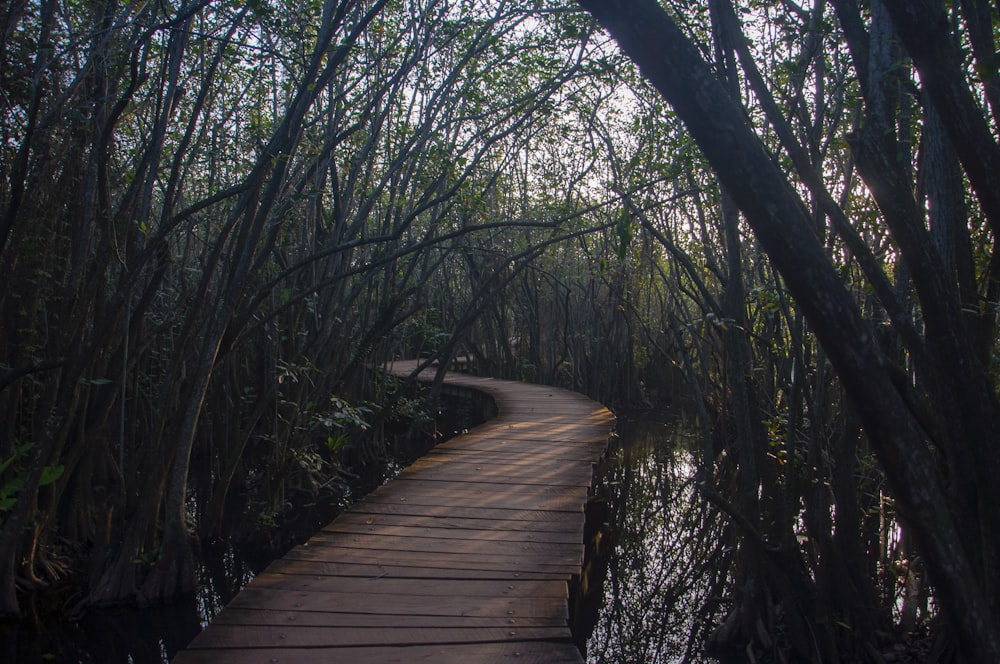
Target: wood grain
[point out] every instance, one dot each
(465, 557)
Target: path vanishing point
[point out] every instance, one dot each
(466, 557)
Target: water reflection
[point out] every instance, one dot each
(51, 632)
(666, 569)
(126, 635)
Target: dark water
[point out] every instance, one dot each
(662, 592)
(656, 552)
(127, 635)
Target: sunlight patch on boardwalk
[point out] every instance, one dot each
(465, 557)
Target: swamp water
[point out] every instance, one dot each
(662, 592)
(649, 538)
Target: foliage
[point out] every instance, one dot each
(212, 218)
(338, 422)
(217, 222)
(851, 326)
(13, 476)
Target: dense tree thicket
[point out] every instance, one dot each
(897, 282)
(214, 215)
(218, 220)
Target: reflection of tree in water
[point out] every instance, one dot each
(667, 570)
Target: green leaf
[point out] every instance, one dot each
(623, 229)
(50, 474)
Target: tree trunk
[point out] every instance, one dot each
(783, 227)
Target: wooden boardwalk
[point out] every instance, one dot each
(465, 557)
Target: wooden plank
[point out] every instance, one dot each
(525, 652)
(333, 602)
(266, 636)
(532, 469)
(461, 511)
(541, 552)
(501, 457)
(572, 442)
(548, 475)
(507, 498)
(408, 571)
(488, 523)
(372, 527)
(248, 617)
(471, 486)
(443, 455)
(425, 588)
(514, 564)
(464, 558)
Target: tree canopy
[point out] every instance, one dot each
(219, 220)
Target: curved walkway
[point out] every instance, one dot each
(465, 557)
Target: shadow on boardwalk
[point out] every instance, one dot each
(465, 557)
